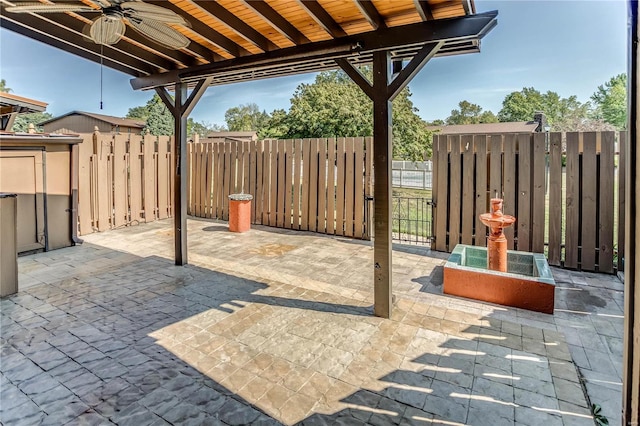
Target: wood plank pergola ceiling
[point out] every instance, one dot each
(240, 40)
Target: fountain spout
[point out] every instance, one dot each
(497, 242)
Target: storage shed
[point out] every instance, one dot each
(86, 122)
(42, 169)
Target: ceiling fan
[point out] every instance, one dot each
(149, 20)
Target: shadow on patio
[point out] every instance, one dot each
(121, 335)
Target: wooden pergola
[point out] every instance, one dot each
(233, 41)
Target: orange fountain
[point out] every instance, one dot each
(497, 242)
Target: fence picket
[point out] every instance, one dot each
(331, 185)
(85, 215)
(523, 222)
(259, 199)
(340, 189)
(468, 216)
(281, 189)
(481, 188)
(349, 189)
(622, 148)
(252, 179)
(322, 185)
(229, 174)
(358, 216)
(441, 194)
(209, 186)
(120, 197)
(313, 185)
(572, 201)
(555, 199)
(538, 200)
(455, 190)
(589, 223)
(495, 166)
(605, 206)
(103, 183)
(297, 181)
(288, 183)
(149, 178)
(189, 176)
(368, 159)
(509, 184)
(163, 178)
(273, 188)
(219, 183)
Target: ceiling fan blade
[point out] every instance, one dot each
(105, 30)
(142, 10)
(160, 33)
(37, 7)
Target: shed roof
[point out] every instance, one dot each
(10, 103)
(483, 128)
(115, 121)
(233, 40)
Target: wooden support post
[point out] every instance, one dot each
(382, 149)
(383, 90)
(631, 347)
(180, 107)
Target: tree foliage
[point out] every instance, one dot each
(334, 106)
(610, 101)
(22, 121)
(245, 118)
(3, 86)
(522, 105)
(159, 120)
(468, 113)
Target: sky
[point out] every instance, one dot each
(569, 47)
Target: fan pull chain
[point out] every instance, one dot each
(101, 69)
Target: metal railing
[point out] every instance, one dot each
(412, 220)
(412, 174)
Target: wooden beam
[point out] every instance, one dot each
(322, 17)
(237, 25)
(276, 20)
(356, 76)
(447, 30)
(371, 14)
(424, 9)
(414, 66)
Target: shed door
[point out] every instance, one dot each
(21, 173)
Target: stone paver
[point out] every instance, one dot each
(276, 327)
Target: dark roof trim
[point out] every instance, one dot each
(460, 35)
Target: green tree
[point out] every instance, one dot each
(3, 86)
(158, 118)
(245, 118)
(202, 128)
(276, 126)
(610, 101)
(560, 112)
(469, 113)
(334, 106)
(22, 121)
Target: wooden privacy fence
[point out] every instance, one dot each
(318, 185)
(579, 206)
(123, 179)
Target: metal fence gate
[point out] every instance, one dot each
(412, 220)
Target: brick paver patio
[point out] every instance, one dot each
(274, 326)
